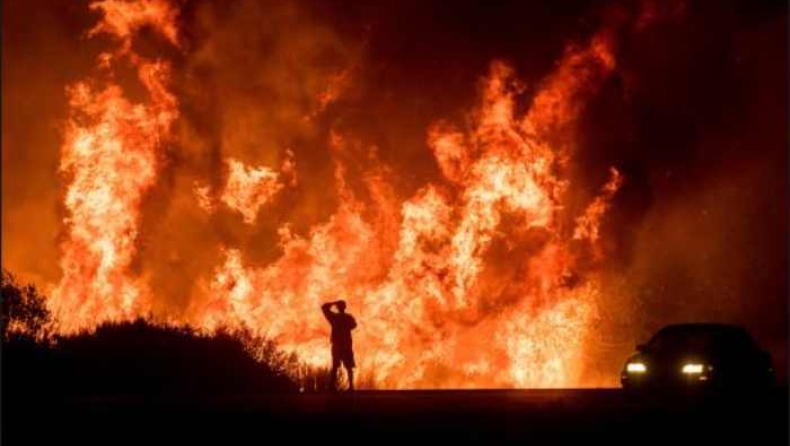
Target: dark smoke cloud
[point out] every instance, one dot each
(248, 86)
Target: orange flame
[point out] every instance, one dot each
(587, 225)
(109, 157)
(247, 189)
(439, 308)
(464, 284)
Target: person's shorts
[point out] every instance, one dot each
(342, 355)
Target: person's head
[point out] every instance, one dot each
(341, 306)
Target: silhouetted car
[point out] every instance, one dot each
(698, 357)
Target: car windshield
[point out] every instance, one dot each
(699, 338)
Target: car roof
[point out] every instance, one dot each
(704, 327)
(712, 326)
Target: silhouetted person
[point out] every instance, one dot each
(342, 350)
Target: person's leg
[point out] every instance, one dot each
(333, 375)
(350, 371)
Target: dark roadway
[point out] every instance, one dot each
(480, 416)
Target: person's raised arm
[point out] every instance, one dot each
(325, 308)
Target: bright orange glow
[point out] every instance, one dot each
(465, 283)
(247, 189)
(587, 225)
(110, 159)
(337, 83)
(428, 315)
(122, 19)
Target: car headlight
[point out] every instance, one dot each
(636, 367)
(692, 368)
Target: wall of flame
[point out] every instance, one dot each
(197, 192)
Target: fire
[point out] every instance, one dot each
(476, 280)
(587, 224)
(123, 19)
(337, 83)
(440, 309)
(247, 189)
(110, 159)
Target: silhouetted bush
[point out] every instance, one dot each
(140, 358)
(137, 357)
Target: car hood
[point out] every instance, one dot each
(671, 358)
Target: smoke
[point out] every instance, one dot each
(696, 124)
(254, 80)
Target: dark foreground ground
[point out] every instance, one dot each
(449, 417)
